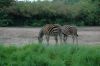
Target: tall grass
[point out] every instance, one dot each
(56, 55)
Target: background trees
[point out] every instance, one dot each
(4, 17)
(78, 12)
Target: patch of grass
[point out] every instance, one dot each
(55, 55)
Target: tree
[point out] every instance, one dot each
(5, 3)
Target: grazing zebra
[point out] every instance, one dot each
(69, 30)
(50, 30)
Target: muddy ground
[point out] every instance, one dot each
(21, 36)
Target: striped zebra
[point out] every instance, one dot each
(50, 30)
(69, 30)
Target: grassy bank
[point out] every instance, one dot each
(41, 55)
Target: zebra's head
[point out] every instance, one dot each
(40, 36)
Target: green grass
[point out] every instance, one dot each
(53, 55)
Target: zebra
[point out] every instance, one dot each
(69, 30)
(50, 30)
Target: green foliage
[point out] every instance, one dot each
(4, 18)
(5, 3)
(42, 55)
(78, 12)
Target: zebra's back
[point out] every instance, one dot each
(69, 30)
(51, 29)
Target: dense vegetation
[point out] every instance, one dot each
(79, 12)
(41, 55)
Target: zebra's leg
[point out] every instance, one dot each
(47, 38)
(65, 39)
(56, 39)
(60, 36)
(73, 37)
(76, 39)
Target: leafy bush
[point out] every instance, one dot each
(6, 3)
(78, 12)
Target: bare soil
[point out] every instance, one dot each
(21, 36)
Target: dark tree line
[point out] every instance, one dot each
(78, 12)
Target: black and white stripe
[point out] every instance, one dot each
(69, 30)
(50, 30)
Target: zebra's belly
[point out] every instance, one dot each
(52, 34)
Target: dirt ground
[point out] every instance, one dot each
(21, 36)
